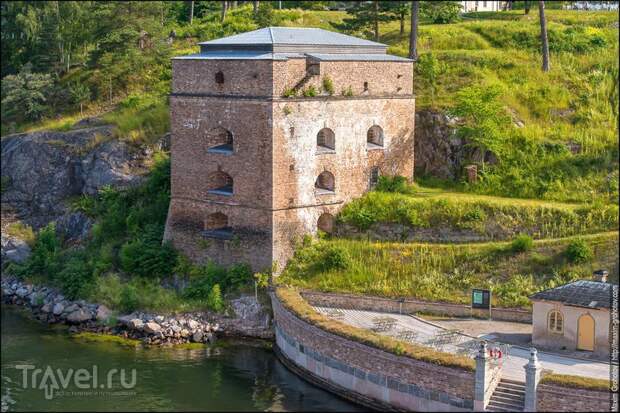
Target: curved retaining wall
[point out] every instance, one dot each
(368, 375)
(555, 398)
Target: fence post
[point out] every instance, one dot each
(532, 376)
(480, 377)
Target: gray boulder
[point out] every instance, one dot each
(152, 328)
(103, 313)
(58, 308)
(79, 316)
(13, 249)
(74, 226)
(136, 324)
(197, 337)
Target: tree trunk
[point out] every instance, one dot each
(402, 23)
(191, 13)
(256, 4)
(413, 36)
(224, 10)
(527, 7)
(81, 111)
(280, 5)
(376, 18)
(543, 36)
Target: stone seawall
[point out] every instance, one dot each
(368, 375)
(553, 398)
(408, 306)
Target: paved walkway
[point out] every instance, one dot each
(426, 333)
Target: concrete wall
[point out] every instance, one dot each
(412, 306)
(554, 398)
(401, 382)
(544, 339)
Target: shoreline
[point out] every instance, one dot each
(47, 305)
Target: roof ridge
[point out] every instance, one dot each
(270, 34)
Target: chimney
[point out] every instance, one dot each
(601, 275)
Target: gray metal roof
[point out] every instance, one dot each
(281, 43)
(581, 293)
(292, 36)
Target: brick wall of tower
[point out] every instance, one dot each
(274, 164)
(248, 119)
(383, 78)
(297, 164)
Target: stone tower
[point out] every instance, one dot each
(273, 131)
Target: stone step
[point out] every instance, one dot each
(504, 407)
(510, 386)
(508, 395)
(510, 390)
(510, 381)
(507, 399)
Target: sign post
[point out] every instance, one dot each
(481, 299)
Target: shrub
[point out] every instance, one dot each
(328, 85)
(214, 299)
(347, 92)
(147, 257)
(129, 298)
(395, 183)
(578, 251)
(24, 95)
(45, 259)
(76, 279)
(522, 243)
(333, 258)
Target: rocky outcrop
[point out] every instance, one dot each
(439, 151)
(42, 169)
(246, 317)
(13, 249)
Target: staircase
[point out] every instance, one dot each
(509, 396)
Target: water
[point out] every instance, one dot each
(233, 376)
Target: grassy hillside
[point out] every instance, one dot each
(447, 272)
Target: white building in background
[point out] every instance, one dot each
(469, 6)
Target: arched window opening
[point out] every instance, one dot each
(374, 137)
(219, 78)
(216, 226)
(374, 176)
(555, 322)
(220, 140)
(325, 183)
(326, 223)
(220, 183)
(325, 140)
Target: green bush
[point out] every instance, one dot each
(76, 279)
(129, 298)
(522, 243)
(578, 251)
(147, 256)
(393, 184)
(214, 299)
(333, 258)
(45, 260)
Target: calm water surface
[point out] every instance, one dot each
(230, 376)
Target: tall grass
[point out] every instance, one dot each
(447, 272)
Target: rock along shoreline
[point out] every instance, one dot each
(251, 319)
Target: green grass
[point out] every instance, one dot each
(492, 218)
(446, 272)
(576, 382)
(21, 231)
(106, 338)
(292, 300)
